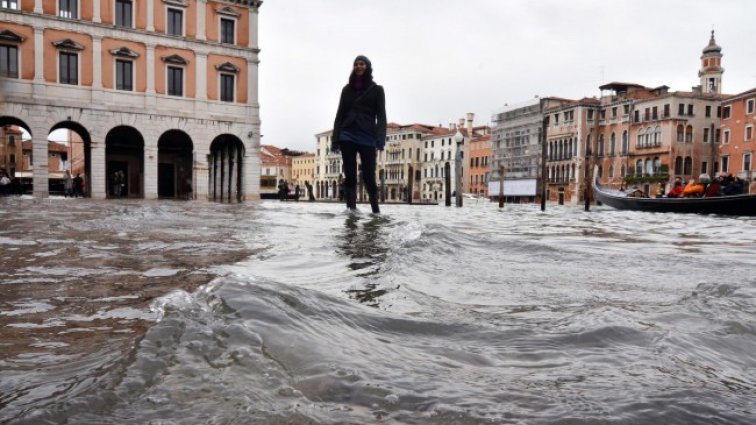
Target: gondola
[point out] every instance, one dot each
(742, 205)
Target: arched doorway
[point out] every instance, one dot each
(69, 149)
(124, 163)
(175, 165)
(16, 154)
(225, 164)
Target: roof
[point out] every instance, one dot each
(620, 86)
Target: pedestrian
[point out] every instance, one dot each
(310, 195)
(360, 129)
(5, 185)
(78, 186)
(67, 185)
(296, 193)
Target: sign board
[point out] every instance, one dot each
(526, 187)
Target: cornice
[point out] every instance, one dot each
(124, 52)
(227, 67)
(175, 59)
(227, 11)
(8, 35)
(68, 44)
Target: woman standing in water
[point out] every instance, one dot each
(360, 128)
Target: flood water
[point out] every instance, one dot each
(134, 312)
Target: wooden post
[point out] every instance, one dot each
(383, 186)
(458, 176)
(447, 184)
(410, 181)
(501, 186)
(544, 168)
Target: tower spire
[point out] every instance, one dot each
(711, 67)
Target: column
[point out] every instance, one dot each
(149, 98)
(253, 28)
(150, 171)
(201, 10)
(252, 81)
(97, 178)
(201, 76)
(40, 164)
(150, 15)
(200, 176)
(39, 55)
(251, 170)
(96, 65)
(96, 18)
(38, 7)
(39, 88)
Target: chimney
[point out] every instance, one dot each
(470, 117)
(461, 123)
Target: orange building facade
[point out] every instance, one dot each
(737, 135)
(165, 91)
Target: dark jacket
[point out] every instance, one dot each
(361, 109)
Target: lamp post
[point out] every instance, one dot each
(460, 139)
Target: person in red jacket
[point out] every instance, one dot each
(677, 190)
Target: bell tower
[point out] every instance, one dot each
(711, 68)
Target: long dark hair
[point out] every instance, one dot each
(367, 78)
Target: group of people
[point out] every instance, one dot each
(705, 187)
(285, 189)
(73, 187)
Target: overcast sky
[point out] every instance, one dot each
(438, 59)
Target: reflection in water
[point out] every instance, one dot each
(364, 241)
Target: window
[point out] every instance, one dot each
(68, 66)
(227, 88)
(750, 106)
(175, 25)
(9, 4)
(690, 109)
(726, 112)
(124, 75)
(748, 133)
(123, 13)
(726, 136)
(8, 61)
(624, 142)
(227, 30)
(175, 81)
(747, 161)
(68, 9)
(726, 164)
(704, 167)
(681, 109)
(637, 116)
(612, 145)
(706, 135)
(666, 110)
(708, 111)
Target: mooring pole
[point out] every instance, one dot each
(501, 186)
(544, 173)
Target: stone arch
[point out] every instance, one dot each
(78, 152)
(225, 163)
(124, 162)
(12, 153)
(175, 177)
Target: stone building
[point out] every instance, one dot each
(517, 149)
(737, 135)
(165, 91)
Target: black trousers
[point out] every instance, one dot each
(349, 152)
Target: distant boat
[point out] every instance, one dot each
(726, 205)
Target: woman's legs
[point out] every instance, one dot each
(349, 159)
(367, 158)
